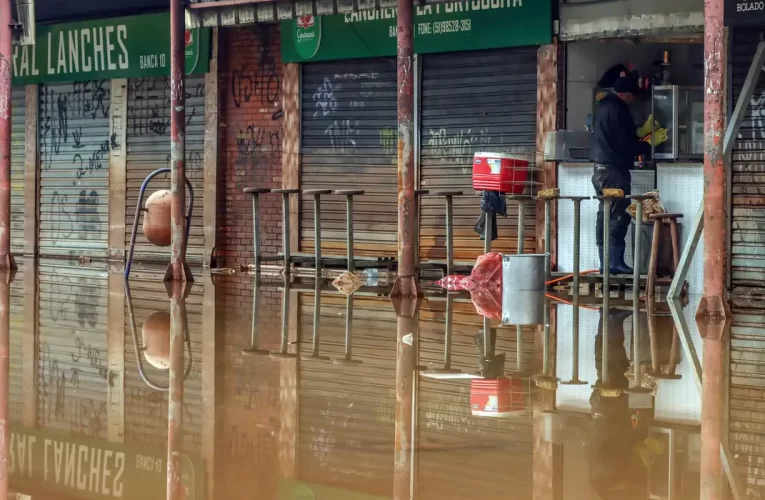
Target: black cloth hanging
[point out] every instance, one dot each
(494, 203)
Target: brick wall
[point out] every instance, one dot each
(250, 142)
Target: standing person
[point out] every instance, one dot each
(615, 144)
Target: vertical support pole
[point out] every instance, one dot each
(210, 193)
(286, 232)
(5, 339)
(488, 231)
(256, 230)
(577, 247)
(548, 233)
(31, 182)
(317, 233)
(349, 236)
(406, 282)
(449, 236)
(404, 435)
(177, 271)
(6, 52)
(175, 396)
(117, 170)
(521, 225)
(606, 252)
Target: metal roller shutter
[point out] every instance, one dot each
(146, 408)
(346, 435)
(473, 101)
(748, 176)
(72, 382)
(74, 169)
(18, 160)
(349, 136)
(148, 139)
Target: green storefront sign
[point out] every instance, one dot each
(93, 469)
(123, 47)
(445, 27)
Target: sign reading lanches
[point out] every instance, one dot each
(125, 47)
(440, 27)
(93, 469)
(744, 12)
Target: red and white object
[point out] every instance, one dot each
(501, 172)
(502, 397)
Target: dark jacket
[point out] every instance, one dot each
(615, 141)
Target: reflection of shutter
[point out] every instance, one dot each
(473, 101)
(18, 159)
(148, 139)
(748, 178)
(146, 408)
(74, 164)
(72, 385)
(499, 450)
(16, 357)
(747, 396)
(346, 412)
(349, 141)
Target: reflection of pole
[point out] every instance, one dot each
(406, 283)
(406, 361)
(175, 399)
(712, 418)
(575, 336)
(254, 332)
(347, 359)
(5, 337)
(316, 348)
(6, 260)
(177, 270)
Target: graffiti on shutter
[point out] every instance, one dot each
(74, 169)
(148, 139)
(473, 101)
(348, 141)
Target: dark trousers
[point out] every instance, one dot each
(611, 177)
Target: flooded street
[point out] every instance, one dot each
(280, 392)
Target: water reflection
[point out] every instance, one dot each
(291, 389)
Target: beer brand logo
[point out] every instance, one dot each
(307, 35)
(189, 37)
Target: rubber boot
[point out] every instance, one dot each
(618, 266)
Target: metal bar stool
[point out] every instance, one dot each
(317, 193)
(449, 197)
(349, 194)
(577, 235)
(607, 200)
(347, 359)
(654, 262)
(255, 193)
(286, 224)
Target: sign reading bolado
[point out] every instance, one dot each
(124, 47)
(440, 27)
(744, 12)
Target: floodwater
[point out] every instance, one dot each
(277, 392)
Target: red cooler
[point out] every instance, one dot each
(501, 172)
(502, 397)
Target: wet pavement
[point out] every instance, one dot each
(281, 392)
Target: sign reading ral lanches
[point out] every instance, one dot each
(744, 12)
(87, 468)
(440, 27)
(125, 47)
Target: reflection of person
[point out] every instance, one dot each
(615, 144)
(613, 472)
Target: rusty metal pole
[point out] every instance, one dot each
(5, 336)
(406, 361)
(6, 259)
(178, 329)
(406, 282)
(714, 169)
(177, 271)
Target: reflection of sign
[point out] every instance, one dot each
(123, 47)
(297, 490)
(741, 12)
(93, 469)
(440, 27)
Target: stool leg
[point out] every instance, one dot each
(548, 236)
(606, 258)
(449, 237)
(521, 225)
(317, 232)
(675, 243)
(654, 262)
(286, 231)
(256, 230)
(349, 237)
(577, 245)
